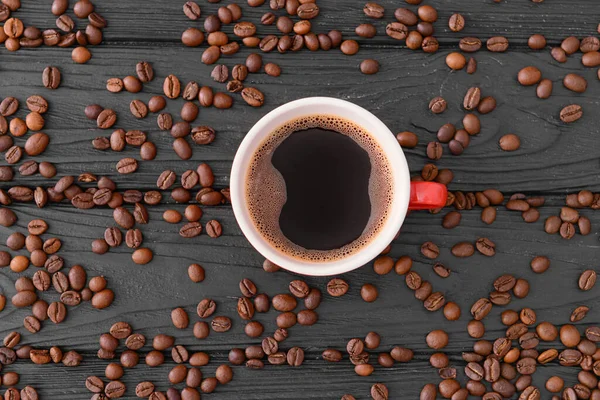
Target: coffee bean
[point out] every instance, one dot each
(540, 264)
(438, 105)
(497, 44)
(192, 37)
(434, 301)
(441, 270)
(57, 312)
(437, 339)
(368, 293)
(127, 165)
(337, 287)
(138, 109)
(463, 249)
(510, 142)
(81, 55)
(9, 106)
(407, 139)
(253, 96)
(222, 100)
(529, 76)
(481, 308)
(455, 61)
(536, 42)
(544, 89)
(307, 11)
(558, 54)
(575, 83)
(106, 119)
(37, 104)
(413, 280)
(570, 45)
(247, 288)
(434, 150)
(369, 67)
(171, 87)
(587, 280)
(221, 324)
(295, 355)
(430, 250)
(571, 113)
(456, 23)
(51, 77)
(332, 355)
(132, 84)
(350, 47)
(396, 30)
(472, 98)
(471, 66)
(469, 44)
(114, 389)
(379, 392)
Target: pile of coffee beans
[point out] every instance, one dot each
(35, 143)
(358, 355)
(457, 139)
(172, 88)
(531, 75)
(508, 368)
(11, 352)
(72, 286)
(569, 218)
(135, 342)
(298, 34)
(206, 196)
(528, 206)
(16, 35)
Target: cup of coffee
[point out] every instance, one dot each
(320, 186)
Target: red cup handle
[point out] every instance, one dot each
(427, 195)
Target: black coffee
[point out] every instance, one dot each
(319, 188)
(326, 176)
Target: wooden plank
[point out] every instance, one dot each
(554, 159)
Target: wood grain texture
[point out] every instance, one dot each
(554, 159)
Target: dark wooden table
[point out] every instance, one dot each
(554, 159)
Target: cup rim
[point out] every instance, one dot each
(385, 139)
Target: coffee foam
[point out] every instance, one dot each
(266, 191)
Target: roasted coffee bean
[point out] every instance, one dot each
(253, 96)
(430, 250)
(497, 44)
(469, 44)
(529, 76)
(485, 246)
(337, 287)
(441, 270)
(57, 312)
(171, 87)
(575, 83)
(220, 324)
(481, 308)
(463, 249)
(396, 30)
(138, 109)
(431, 301)
(51, 77)
(106, 119)
(438, 105)
(472, 98)
(571, 113)
(587, 280)
(407, 139)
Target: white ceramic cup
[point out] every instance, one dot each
(324, 106)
